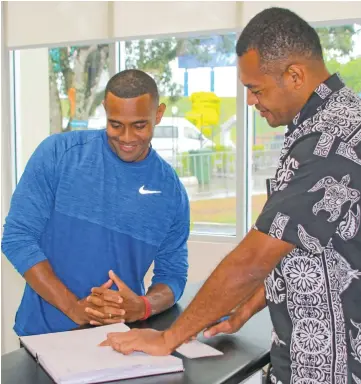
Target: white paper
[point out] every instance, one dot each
(74, 341)
(195, 349)
(75, 357)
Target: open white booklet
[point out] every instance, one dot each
(75, 358)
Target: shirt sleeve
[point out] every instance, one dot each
(30, 209)
(316, 194)
(171, 262)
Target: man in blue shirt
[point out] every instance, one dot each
(92, 211)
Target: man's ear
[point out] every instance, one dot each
(296, 75)
(160, 112)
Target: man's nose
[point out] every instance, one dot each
(127, 135)
(251, 98)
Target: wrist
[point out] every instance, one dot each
(70, 306)
(170, 340)
(146, 308)
(74, 311)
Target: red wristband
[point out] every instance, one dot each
(148, 308)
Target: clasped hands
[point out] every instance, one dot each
(106, 306)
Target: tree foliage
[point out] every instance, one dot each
(155, 56)
(336, 41)
(338, 46)
(75, 72)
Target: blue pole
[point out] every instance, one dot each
(212, 80)
(185, 91)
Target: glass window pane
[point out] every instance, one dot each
(57, 90)
(197, 79)
(342, 53)
(77, 79)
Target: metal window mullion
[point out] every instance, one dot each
(242, 165)
(113, 59)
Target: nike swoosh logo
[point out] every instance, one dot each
(143, 191)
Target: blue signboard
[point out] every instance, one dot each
(78, 124)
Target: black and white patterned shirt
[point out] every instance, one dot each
(314, 294)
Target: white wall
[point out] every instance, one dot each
(315, 11)
(204, 257)
(60, 22)
(146, 18)
(57, 22)
(48, 22)
(32, 102)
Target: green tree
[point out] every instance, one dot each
(77, 70)
(155, 56)
(336, 41)
(338, 46)
(349, 71)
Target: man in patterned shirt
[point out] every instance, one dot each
(306, 244)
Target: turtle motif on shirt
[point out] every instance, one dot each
(337, 193)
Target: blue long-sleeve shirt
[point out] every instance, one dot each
(84, 210)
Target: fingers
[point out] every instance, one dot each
(108, 284)
(123, 348)
(121, 342)
(94, 313)
(101, 301)
(107, 311)
(96, 323)
(223, 327)
(126, 349)
(116, 320)
(119, 283)
(96, 300)
(98, 291)
(112, 296)
(102, 318)
(107, 294)
(102, 297)
(112, 336)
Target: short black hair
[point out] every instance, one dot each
(278, 34)
(132, 83)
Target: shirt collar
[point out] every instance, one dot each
(333, 84)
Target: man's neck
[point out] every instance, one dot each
(316, 76)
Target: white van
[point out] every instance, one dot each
(176, 135)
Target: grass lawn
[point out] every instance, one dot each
(223, 210)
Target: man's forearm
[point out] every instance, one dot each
(256, 303)
(160, 297)
(235, 280)
(45, 283)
